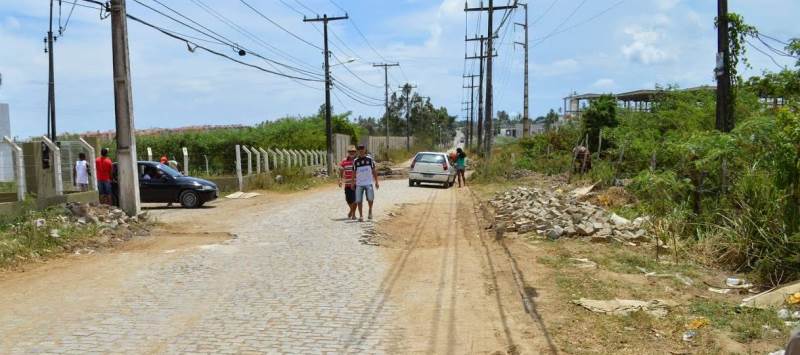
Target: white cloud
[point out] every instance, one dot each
(646, 46)
(664, 5)
(604, 83)
(11, 23)
(559, 67)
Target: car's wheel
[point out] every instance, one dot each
(410, 183)
(189, 199)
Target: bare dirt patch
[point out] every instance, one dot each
(455, 290)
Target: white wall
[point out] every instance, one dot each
(6, 159)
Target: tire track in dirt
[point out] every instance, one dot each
(378, 300)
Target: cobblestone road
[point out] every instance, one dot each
(295, 280)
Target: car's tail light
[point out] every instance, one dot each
(444, 166)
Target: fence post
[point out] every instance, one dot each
(239, 167)
(296, 157)
(56, 165)
(185, 161)
(90, 150)
(249, 160)
(205, 157)
(258, 159)
(19, 167)
(285, 159)
(149, 153)
(266, 159)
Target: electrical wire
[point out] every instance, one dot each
(354, 74)
(189, 44)
(279, 26)
(538, 41)
(62, 29)
(354, 91)
(547, 11)
(257, 39)
(766, 54)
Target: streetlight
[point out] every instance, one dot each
(345, 62)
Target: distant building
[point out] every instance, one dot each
(637, 100)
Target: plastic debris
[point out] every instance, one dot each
(39, 223)
(794, 298)
(698, 323)
(689, 335)
(656, 308)
(783, 313)
(722, 291)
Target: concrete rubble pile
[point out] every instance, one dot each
(112, 221)
(556, 214)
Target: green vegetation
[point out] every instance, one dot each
(728, 198)
(23, 238)
(218, 145)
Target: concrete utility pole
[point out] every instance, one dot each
(51, 84)
(123, 111)
(386, 98)
(526, 122)
(488, 110)
(482, 56)
(328, 126)
(471, 118)
(723, 71)
(407, 89)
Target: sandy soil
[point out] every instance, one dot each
(455, 288)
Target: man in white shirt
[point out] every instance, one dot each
(81, 173)
(365, 176)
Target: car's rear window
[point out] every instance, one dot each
(430, 158)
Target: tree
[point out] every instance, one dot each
(601, 113)
(503, 119)
(550, 120)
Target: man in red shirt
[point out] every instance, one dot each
(103, 167)
(346, 177)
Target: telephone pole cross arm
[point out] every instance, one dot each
(326, 53)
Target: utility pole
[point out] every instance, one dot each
(488, 110)
(723, 71)
(526, 123)
(51, 85)
(328, 125)
(123, 111)
(407, 89)
(471, 118)
(386, 98)
(482, 56)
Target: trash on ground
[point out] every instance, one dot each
(678, 276)
(722, 291)
(774, 298)
(584, 263)
(698, 323)
(689, 335)
(656, 308)
(242, 195)
(784, 314)
(583, 191)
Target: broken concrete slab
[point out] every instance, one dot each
(772, 298)
(620, 307)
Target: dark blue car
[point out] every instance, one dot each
(159, 183)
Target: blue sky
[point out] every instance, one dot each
(637, 44)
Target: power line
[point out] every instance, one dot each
(569, 17)
(765, 53)
(189, 44)
(279, 26)
(351, 72)
(539, 40)
(547, 11)
(257, 40)
(62, 29)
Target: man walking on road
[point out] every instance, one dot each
(346, 177)
(103, 167)
(365, 176)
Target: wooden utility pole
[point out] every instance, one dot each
(51, 84)
(724, 121)
(328, 125)
(526, 122)
(123, 111)
(407, 89)
(471, 120)
(488, 110)
(386, 99)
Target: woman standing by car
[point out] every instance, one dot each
(461, 165)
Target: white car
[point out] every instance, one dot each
(431, 167)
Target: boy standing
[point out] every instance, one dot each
(346, 177)
(365, 176)
(81, 173)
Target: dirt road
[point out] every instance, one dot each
(293, 278)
